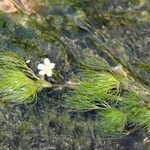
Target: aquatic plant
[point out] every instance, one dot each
(111, 123)
(140, 116)
(13, 61)
(16, 86)
(91, 89)
(18, 82)
(92, 44)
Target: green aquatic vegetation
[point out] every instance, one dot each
(17, 81)
(103, 91)
(93, 62)
(13, 61)
(111, 122)
(131, 99)
(136, 110)
(139, 116)
(92, 89)
(103, 25)
(19, 38)
(16, 86)
(97, 92)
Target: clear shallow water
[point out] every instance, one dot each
(120, 29)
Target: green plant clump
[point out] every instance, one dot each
(111, 122)
(139, 116)
(92, 89)
(18, 82)
(16, 86)
(92, 98)
(13, 61)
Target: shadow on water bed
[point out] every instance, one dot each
(98, 95)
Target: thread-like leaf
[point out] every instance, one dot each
(15, 86)
(13, 61)
(111, 122)
(139, 116)
(92, 87)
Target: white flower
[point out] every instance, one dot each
(28, 61)
(46, 68)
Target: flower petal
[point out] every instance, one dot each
(42, 73)
(51, 65)
(46, 61)
(28, 61)
(49, 73)
(41, 66)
